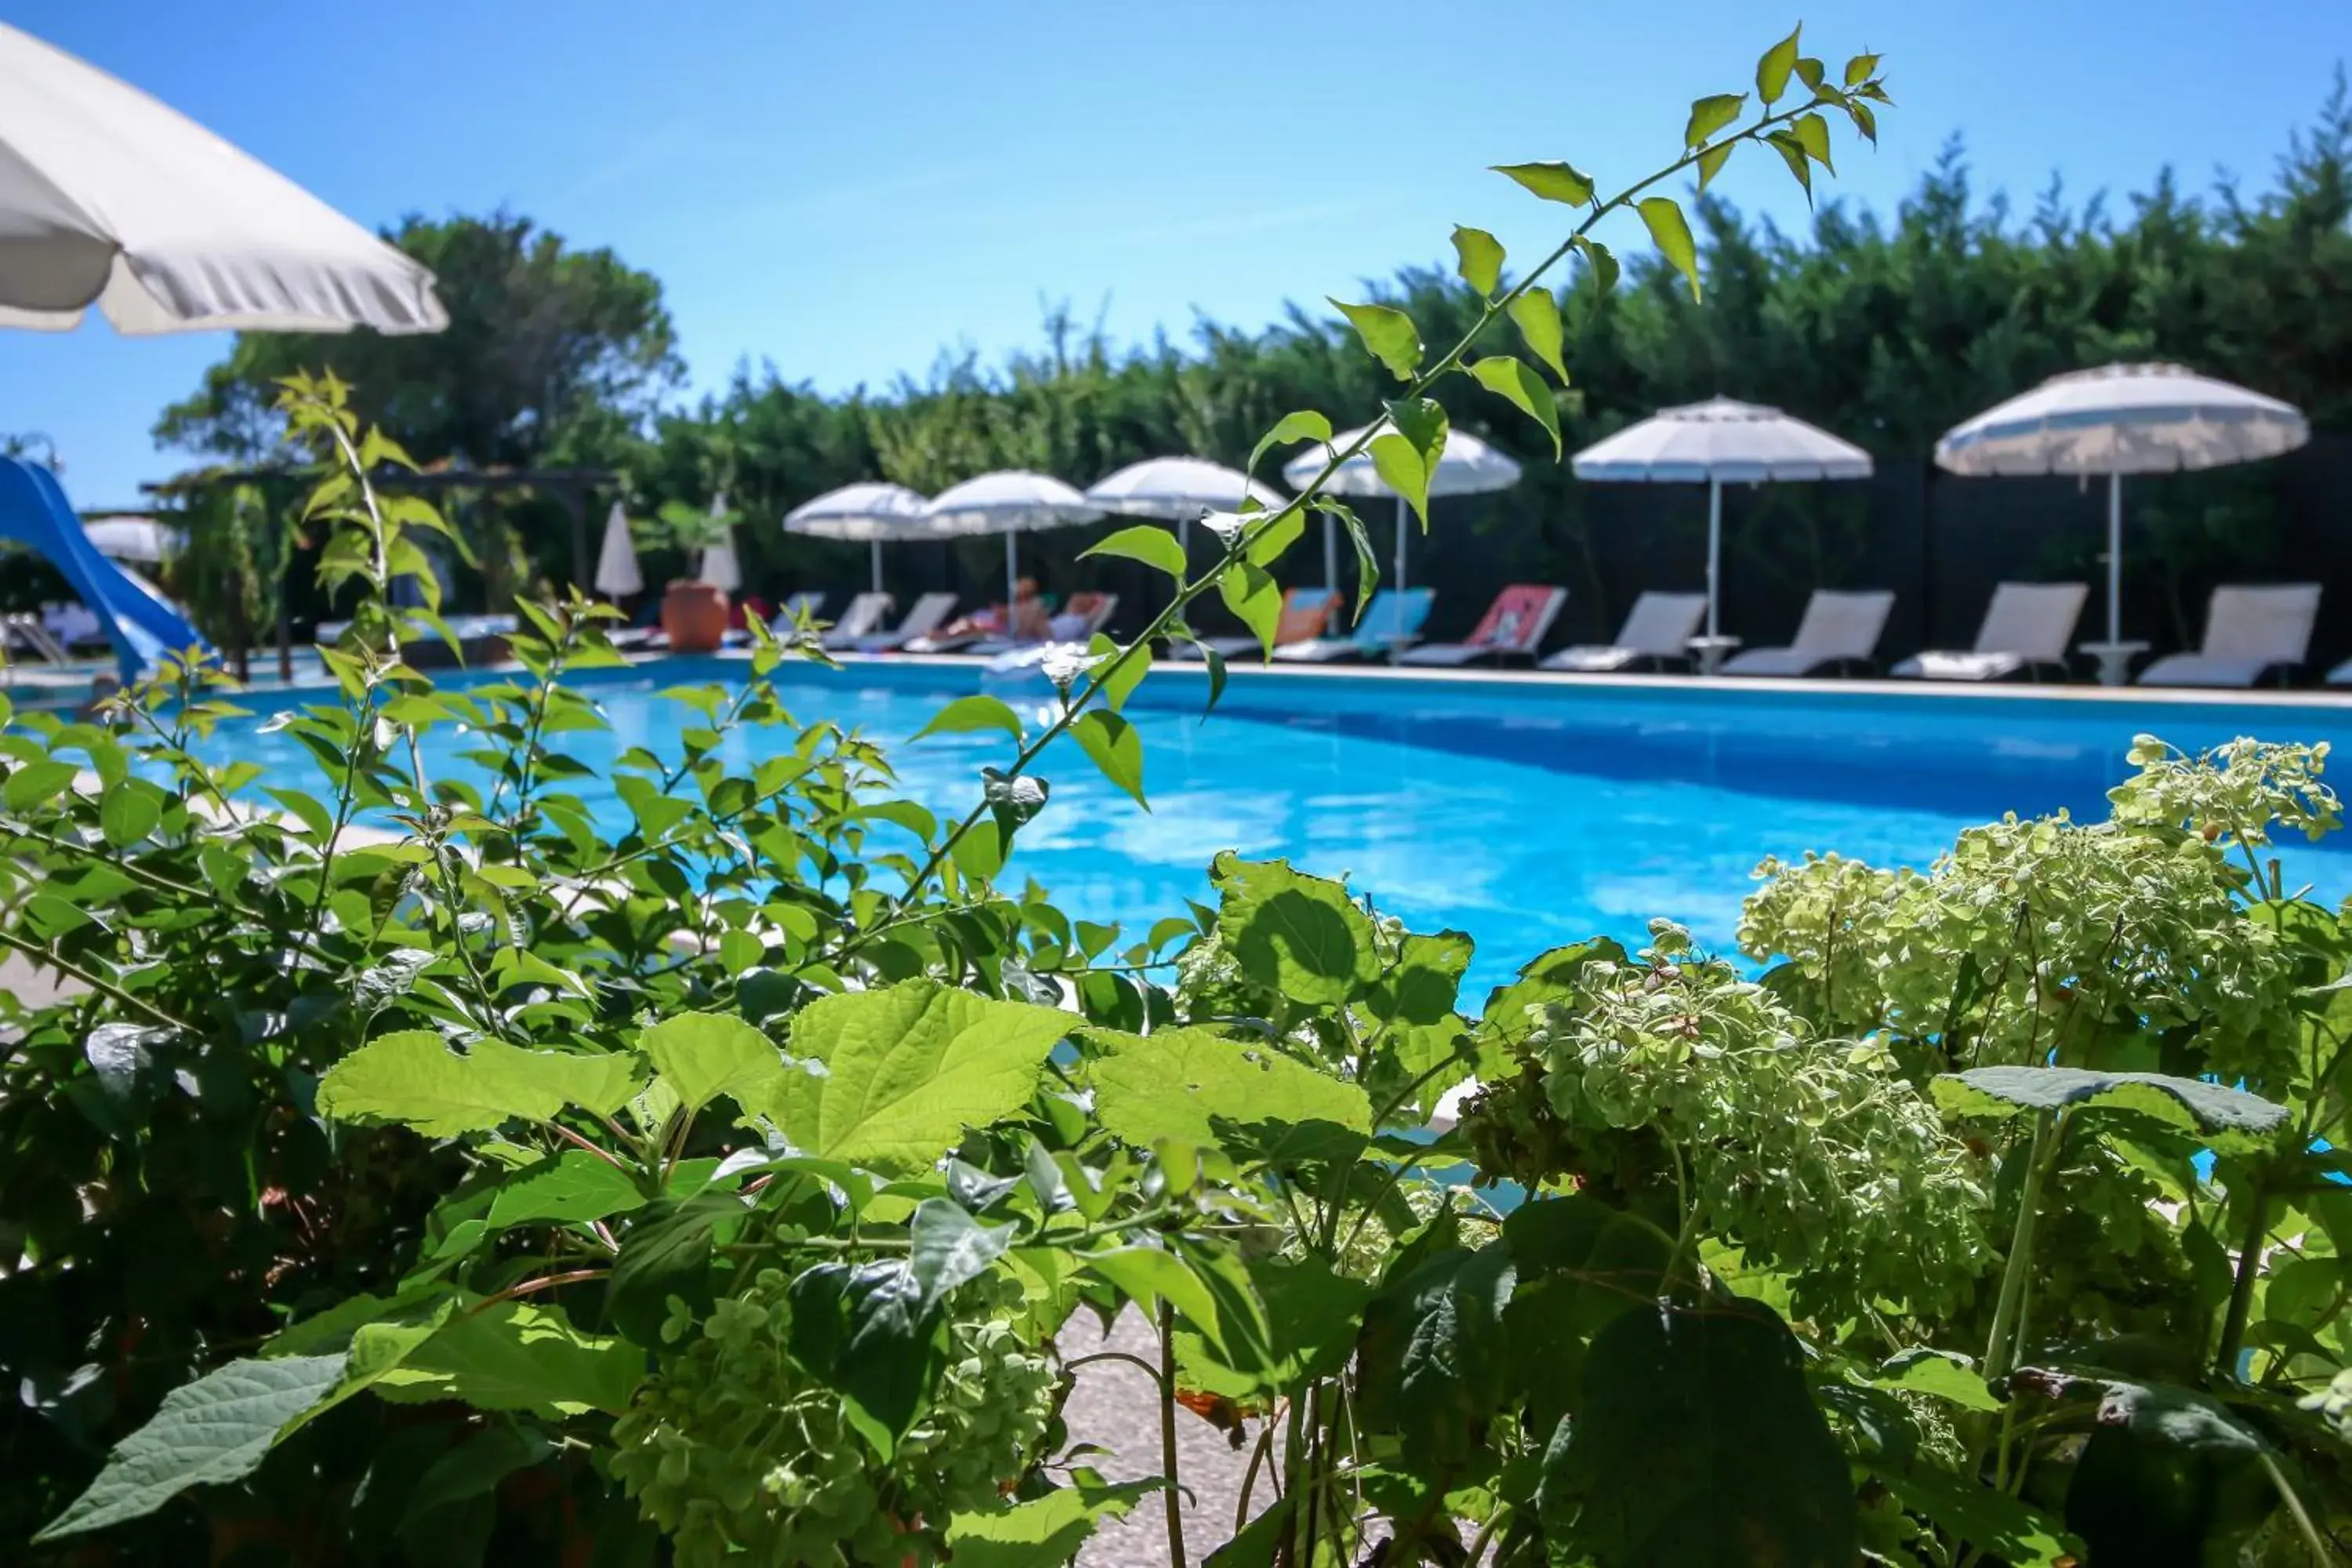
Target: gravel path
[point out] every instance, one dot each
(1117, 1406)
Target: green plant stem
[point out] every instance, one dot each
(1172, 1496)
(1999, 1349)
(1261, 523)
(2313, 1540)
(1258, 1455)
(104, 987)
(2242, 1288)
(1130, 1359)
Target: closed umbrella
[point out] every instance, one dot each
(617, 561)
(107, 197)
(1718, 442)
(1467, 466)
(1178, 490)
(1012, 502)
(139, 539)
(719, 566)
(869, 510)
(2122, 419)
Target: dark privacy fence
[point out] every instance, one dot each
(1940, 542)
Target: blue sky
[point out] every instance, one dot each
(848, 190)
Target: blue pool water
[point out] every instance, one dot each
(1526, 814)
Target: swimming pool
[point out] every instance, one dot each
(1526, 813)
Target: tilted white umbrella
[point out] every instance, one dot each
(617, 575)
(1467, 466)
(869, 510)
(139, 539)
(1718, 442)
(107, 197)
(1178, 490)
(719, 566)
(2122, 419)
(1012, 502)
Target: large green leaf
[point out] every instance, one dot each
(1298, 935)
(1507, 377)
(1389, 333)
(1196, 1088)
(519, 1355)
(1302, 425)
(908, 1068)
(568, 1188)
(1254, 597)
(1555, 976)
(1553, 182)
(704, 1056)
(1996, 1524)
(977, 711)
(1152, 546)
(1696, 1444)
(1772, 70)
(1045, 1532)
(863, 1330)
(1435, 1363)
(1537, 315)
(665, 1257)
(1479, 258)
(948, 1248)
(1115, 748)
(1671, 232)
(2171, 1477)
(218, 1428)
(414, 1079)
(1711, 115)
(2230, 1121)
(1421, 1039)
(1313, 1317)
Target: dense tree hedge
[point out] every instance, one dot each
(1886, 327)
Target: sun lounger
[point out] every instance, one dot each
(1838, 628)
(1081, 619)
(1390, 623)
(1306, 612)
(2027, 625)
(1514, 626)
(24, 630)
(1659, 627)
(863, 618)
(2248, 633)
(930, 613)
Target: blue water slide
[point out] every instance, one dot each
(139, 621)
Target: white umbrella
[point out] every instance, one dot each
(870, 511)
(1467, 466)
(1011, 502)
(2122, 419)
(140, 539)
(719, 566)
(107, 197)
(617, 560)
(1179, 489)
(1716, 442)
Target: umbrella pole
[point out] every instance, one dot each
(1184, 546)
(1714, 549)
(1012, 575)
(874, 549)
(1399, 545)
(1330, 554)
(2115, 558)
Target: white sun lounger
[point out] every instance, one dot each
(930, 613)
(1514, 626)
(25, 630)
(2026, 625)
(1838, 628)
(2248, 632)
(1659, 627)
(863, 618)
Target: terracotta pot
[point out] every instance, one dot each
(694, 617)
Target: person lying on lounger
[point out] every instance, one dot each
(1028, 622)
